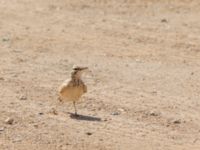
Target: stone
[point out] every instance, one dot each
(115, 113)
(41, 113)
(153, 113)
(54, 111)
(164, 20)
(9, 121)
(121, 110)
(5, 39)
(177, 121)
(22, 97)
(1, 128)
(88, 133)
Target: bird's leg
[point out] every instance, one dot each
(74, 103)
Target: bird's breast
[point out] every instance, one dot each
(72, 93)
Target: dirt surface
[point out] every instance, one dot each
(144, 92)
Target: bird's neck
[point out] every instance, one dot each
(76, 81)
(76, 78)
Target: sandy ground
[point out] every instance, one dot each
(144, 55)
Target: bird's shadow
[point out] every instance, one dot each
(84, 117)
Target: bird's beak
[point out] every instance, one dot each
(85, 68)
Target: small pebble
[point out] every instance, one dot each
(177, 121)
(121, 110)
(5, 39)
(2, 129)
(9, 121)
(154, 92)
(153, 113)
(36, 125)
(138, 60)
(54, 111)
(105, 119)
(23, 97)
(164, 20)
(115, 113)
(41, 113)
(88, 133)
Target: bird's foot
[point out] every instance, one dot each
(76, 115)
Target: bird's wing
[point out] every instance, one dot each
(84, 88)
(66, 84)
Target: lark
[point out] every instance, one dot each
(72, 89)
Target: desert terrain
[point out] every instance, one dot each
(143, 93)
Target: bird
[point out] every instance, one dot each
(73, 88)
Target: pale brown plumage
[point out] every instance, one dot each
(72, 89)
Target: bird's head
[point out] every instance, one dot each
(78, 71)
